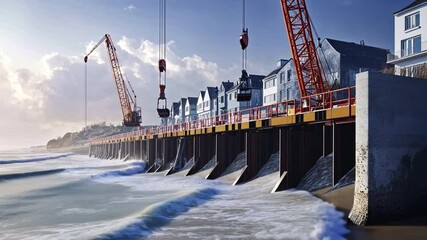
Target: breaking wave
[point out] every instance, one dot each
(35, 159)
(135, 168)
(161, 214)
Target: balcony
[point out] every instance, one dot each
(393, 58)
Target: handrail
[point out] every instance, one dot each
(327, 100)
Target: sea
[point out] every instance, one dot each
(67, 196)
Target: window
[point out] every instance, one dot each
(270, 83)
(207, 104)
(199, 106)
(289, 74)
(282, 77)
(412, 21)
(235, 95)
(222, 99)
(187, 109)
(229, 96)
(270, 98)
(411, 46)
(288, 94)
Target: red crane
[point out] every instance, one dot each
(310, 73)
(131, 117)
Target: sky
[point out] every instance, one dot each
(43, 42)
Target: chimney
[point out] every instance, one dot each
(362, 42)
(281, 62)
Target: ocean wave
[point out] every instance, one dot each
(14, 176)
(161, 214)
(135, 168)
(35, 159)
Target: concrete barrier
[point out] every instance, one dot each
(391, 148)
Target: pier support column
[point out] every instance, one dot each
(203, 151)
(227, 147)
(344, 150)
(299, 149)
(259, 145)
(151, 154)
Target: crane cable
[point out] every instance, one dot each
(162, 38)
(244, 51)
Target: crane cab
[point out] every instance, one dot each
(244, 90)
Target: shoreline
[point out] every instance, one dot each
(342, 199)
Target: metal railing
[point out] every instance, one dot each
(317, 102)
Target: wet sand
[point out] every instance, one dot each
(413, 228)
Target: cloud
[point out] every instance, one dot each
(130, 8)
(48, 102)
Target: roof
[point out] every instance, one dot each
(213, 92)
(360, 55)
(193, 100)
(203, 94)
(227, 85)
(413, 4)
(183, 101)
(275, 71)
(175, 107)
(256, 81)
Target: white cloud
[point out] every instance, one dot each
(49, 102)
(130, 8)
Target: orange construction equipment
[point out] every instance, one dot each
(131, 117)
(310, 73)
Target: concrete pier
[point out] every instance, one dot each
(391, 148)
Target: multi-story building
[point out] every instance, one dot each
(222, 97)
(210, 102)
(181, 110)
(256, 99)
(275, 85)
(410, 40)
(174, 114)
(200, 105)
(191, 109)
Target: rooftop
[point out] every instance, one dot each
(413, 4)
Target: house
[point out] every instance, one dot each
(280, 84)
(256, 99)
(191, 109)
(200, 104)
(410, 40)
(342, 60)
(210, 102)
(181, 110)
(174, 116)
(222, 97)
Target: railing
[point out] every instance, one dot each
(328, 100)
(407, 52)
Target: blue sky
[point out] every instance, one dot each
(42, 43)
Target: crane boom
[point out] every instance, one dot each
(130, 117)
(310, 74)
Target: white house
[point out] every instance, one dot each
(210, 102)
(410, 38)
(191, 109)
(270, 84)
(200, 105)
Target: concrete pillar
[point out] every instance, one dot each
(391, 148)
(299, 149)
(344, 150)
(259, 145)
